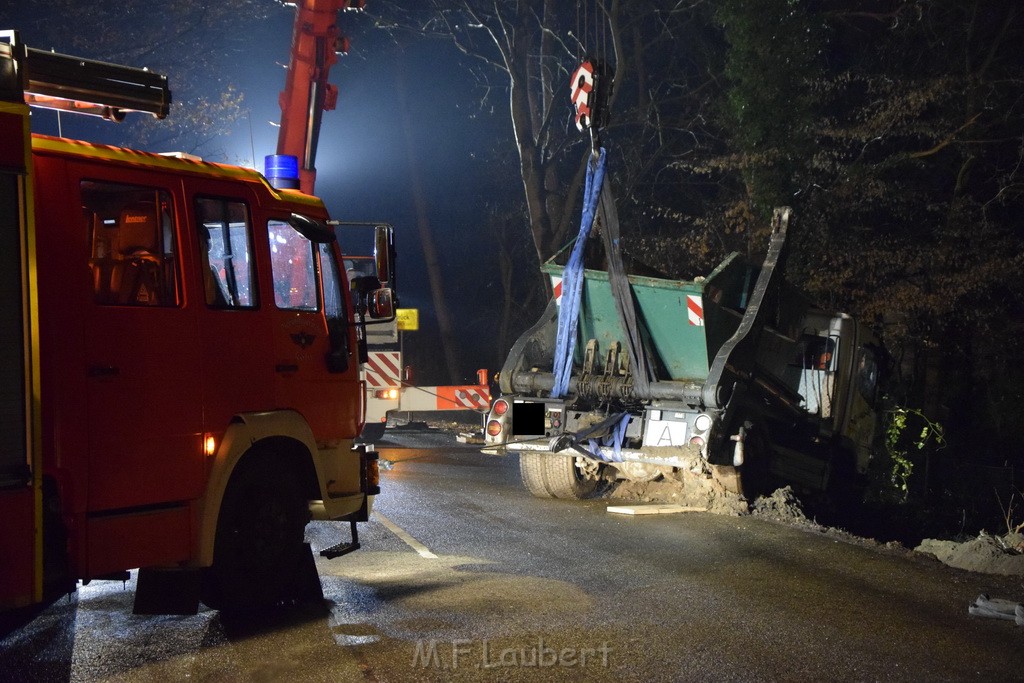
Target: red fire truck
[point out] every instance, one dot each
(179, 364)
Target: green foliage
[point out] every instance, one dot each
(909, 435)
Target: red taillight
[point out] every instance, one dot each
(500, 407)
(494, 427)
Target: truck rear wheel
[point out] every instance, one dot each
(555, 476)
(260, 557)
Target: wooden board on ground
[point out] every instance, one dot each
(653, 509)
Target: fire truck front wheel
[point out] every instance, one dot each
(260, 560)
(555, 476)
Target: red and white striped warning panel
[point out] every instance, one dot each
(466, 397)
(695, 309)
(581, 86)
(463, 398)
(383, 369)
(556, 288)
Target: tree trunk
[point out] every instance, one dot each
(427, 239)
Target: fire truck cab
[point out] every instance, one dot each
(181, 359)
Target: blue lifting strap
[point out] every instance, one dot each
(572, 281)
(614, 439)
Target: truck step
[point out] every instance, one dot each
(343, 548)
(339, 550)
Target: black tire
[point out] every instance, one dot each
(260, 558)
(555, 476)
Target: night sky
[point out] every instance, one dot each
(363, 162)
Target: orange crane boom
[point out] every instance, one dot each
(316, 44)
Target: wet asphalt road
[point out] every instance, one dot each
(464, 576)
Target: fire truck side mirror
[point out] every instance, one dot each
(381, 303)
(384, 254)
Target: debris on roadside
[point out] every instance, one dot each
(685, 489)
(987, 553)
(782, 505)
(997, 608)
(476, 437)
(705, 494)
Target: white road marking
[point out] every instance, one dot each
(423, 550)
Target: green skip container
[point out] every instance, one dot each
(683, 322)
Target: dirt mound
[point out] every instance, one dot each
(986, 554)
(782, 505)
(698, 491)
(684, 489)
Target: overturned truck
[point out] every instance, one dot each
(734, 376)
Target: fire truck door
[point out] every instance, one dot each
(142, 356)
(234, 323)
(317, 373)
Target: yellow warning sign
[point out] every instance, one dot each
(408, 319)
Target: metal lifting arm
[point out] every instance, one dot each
(85, 86)
(316, 42)
(735, 359)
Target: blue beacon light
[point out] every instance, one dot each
(282, 171)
